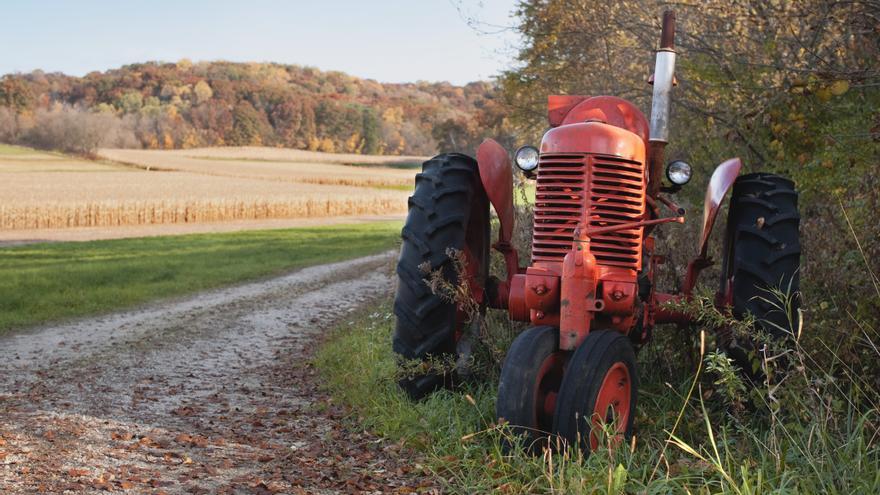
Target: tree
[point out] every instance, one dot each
(8, 125)
(370, 125)
(73, 130)
(130, 102)
(202, 91)
(249, 127)
(15, 93)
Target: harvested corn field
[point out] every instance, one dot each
(277, 164)
(48, 191)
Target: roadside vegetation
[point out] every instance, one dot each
(700, 428)
(41, 283)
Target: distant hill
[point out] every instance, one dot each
(185, 104)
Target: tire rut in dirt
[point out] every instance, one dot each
(447, 192)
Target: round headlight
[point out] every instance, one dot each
(526, 158)
(678, 172)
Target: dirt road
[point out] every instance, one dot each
(211, 394)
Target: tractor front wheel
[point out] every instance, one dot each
(448, 210)
(530, 380)
(598, 393)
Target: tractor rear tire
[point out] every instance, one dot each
(762, 253)
(448, 209)
(600, 386)
(529, 384)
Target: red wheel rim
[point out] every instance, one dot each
(612, 404)
(547, 383)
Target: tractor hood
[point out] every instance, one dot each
(594, 137)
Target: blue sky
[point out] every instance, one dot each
(387, 40)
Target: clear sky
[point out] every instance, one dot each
(387, 40)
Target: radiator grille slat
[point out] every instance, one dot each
(615, 190)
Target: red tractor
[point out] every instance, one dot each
(589, 291)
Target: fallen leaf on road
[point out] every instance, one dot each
(183, 411)
(124, 436)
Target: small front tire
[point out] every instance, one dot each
(599, 388)
(530, 381)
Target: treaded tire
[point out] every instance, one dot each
(448, 209)
(584, 378)
(763, 252)
(532, 368)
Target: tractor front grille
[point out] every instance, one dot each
(609, 189)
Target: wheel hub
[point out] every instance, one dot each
(612, 404)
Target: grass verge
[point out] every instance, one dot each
(821, 441)
(48, 282)
(13, 150)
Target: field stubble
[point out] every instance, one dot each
(44, 191)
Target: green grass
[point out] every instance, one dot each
(48, 282)
(400, 165)
(395, 187)
(12, 150)
(389, 164)
(525, 194)
(810, 445)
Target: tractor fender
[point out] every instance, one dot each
(497, 178)
(721, 181)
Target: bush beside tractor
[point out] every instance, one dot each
(589, 291)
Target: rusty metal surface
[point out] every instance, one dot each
(497, 178)
(667, 34)
(558, 107)
(610, 110)
(600, 180)
(579, 303)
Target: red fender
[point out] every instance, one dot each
(497, 178)
(722, 180)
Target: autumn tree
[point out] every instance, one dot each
(202, 91)
(249, 126)
(370, 131)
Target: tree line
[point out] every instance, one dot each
(184, 105)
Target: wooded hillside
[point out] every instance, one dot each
(185, 104)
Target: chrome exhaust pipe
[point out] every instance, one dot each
(664, 72)
(664, 77)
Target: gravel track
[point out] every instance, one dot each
(208, 394)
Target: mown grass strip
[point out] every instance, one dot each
(13, 150)
(48, 282)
